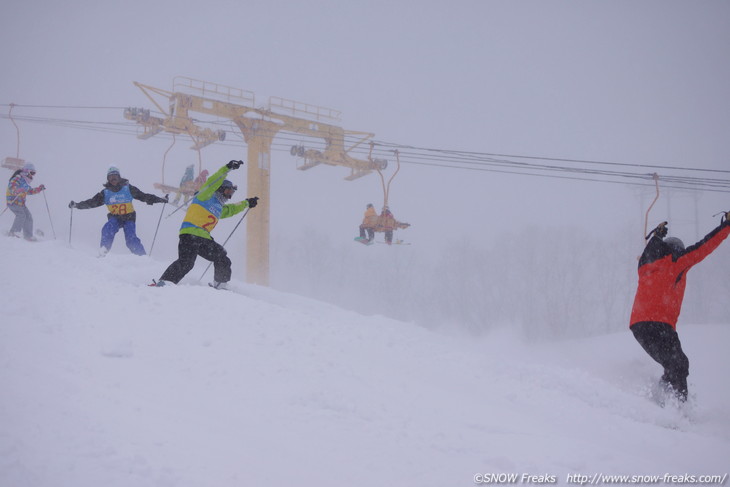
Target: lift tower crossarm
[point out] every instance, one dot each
(259, 126)
(335, 153)
(177, 120)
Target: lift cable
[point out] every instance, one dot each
(552, 167)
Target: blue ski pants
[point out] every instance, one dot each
(112, 226)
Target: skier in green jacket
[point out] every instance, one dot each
(202, 216)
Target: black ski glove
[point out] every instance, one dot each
(234, 164)
(252, 202)
(72, 205)
(660, 231)
(166, 199)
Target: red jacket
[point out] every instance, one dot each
(662, 276)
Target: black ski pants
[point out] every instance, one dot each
(188, 249)
(661, 342)
(370, 232)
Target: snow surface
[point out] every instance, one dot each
(108, 382)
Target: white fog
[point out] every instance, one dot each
(528, 135)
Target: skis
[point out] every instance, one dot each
(32, 238)
(220, 287)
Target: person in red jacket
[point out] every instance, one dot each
(663, 271)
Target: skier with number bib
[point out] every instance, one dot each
(117, 195)
(202, 216)
(663, 271)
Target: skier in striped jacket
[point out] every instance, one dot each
(18, 188)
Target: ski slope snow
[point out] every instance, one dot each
(107, 382)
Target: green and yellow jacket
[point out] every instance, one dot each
(209, 206)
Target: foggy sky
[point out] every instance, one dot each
(622, 81)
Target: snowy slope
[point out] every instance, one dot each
(107, 382)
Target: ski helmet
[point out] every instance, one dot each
(226, 184)
(675, 244)
(113, 170)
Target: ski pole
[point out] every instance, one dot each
(49, 214)
(71, 226)
(224, 243)
(655, 176)
(182, 206)
(158, 226)
(725, 216)
(8, 205)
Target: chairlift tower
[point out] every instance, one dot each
(259, 127)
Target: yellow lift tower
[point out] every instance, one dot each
(259, 126)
